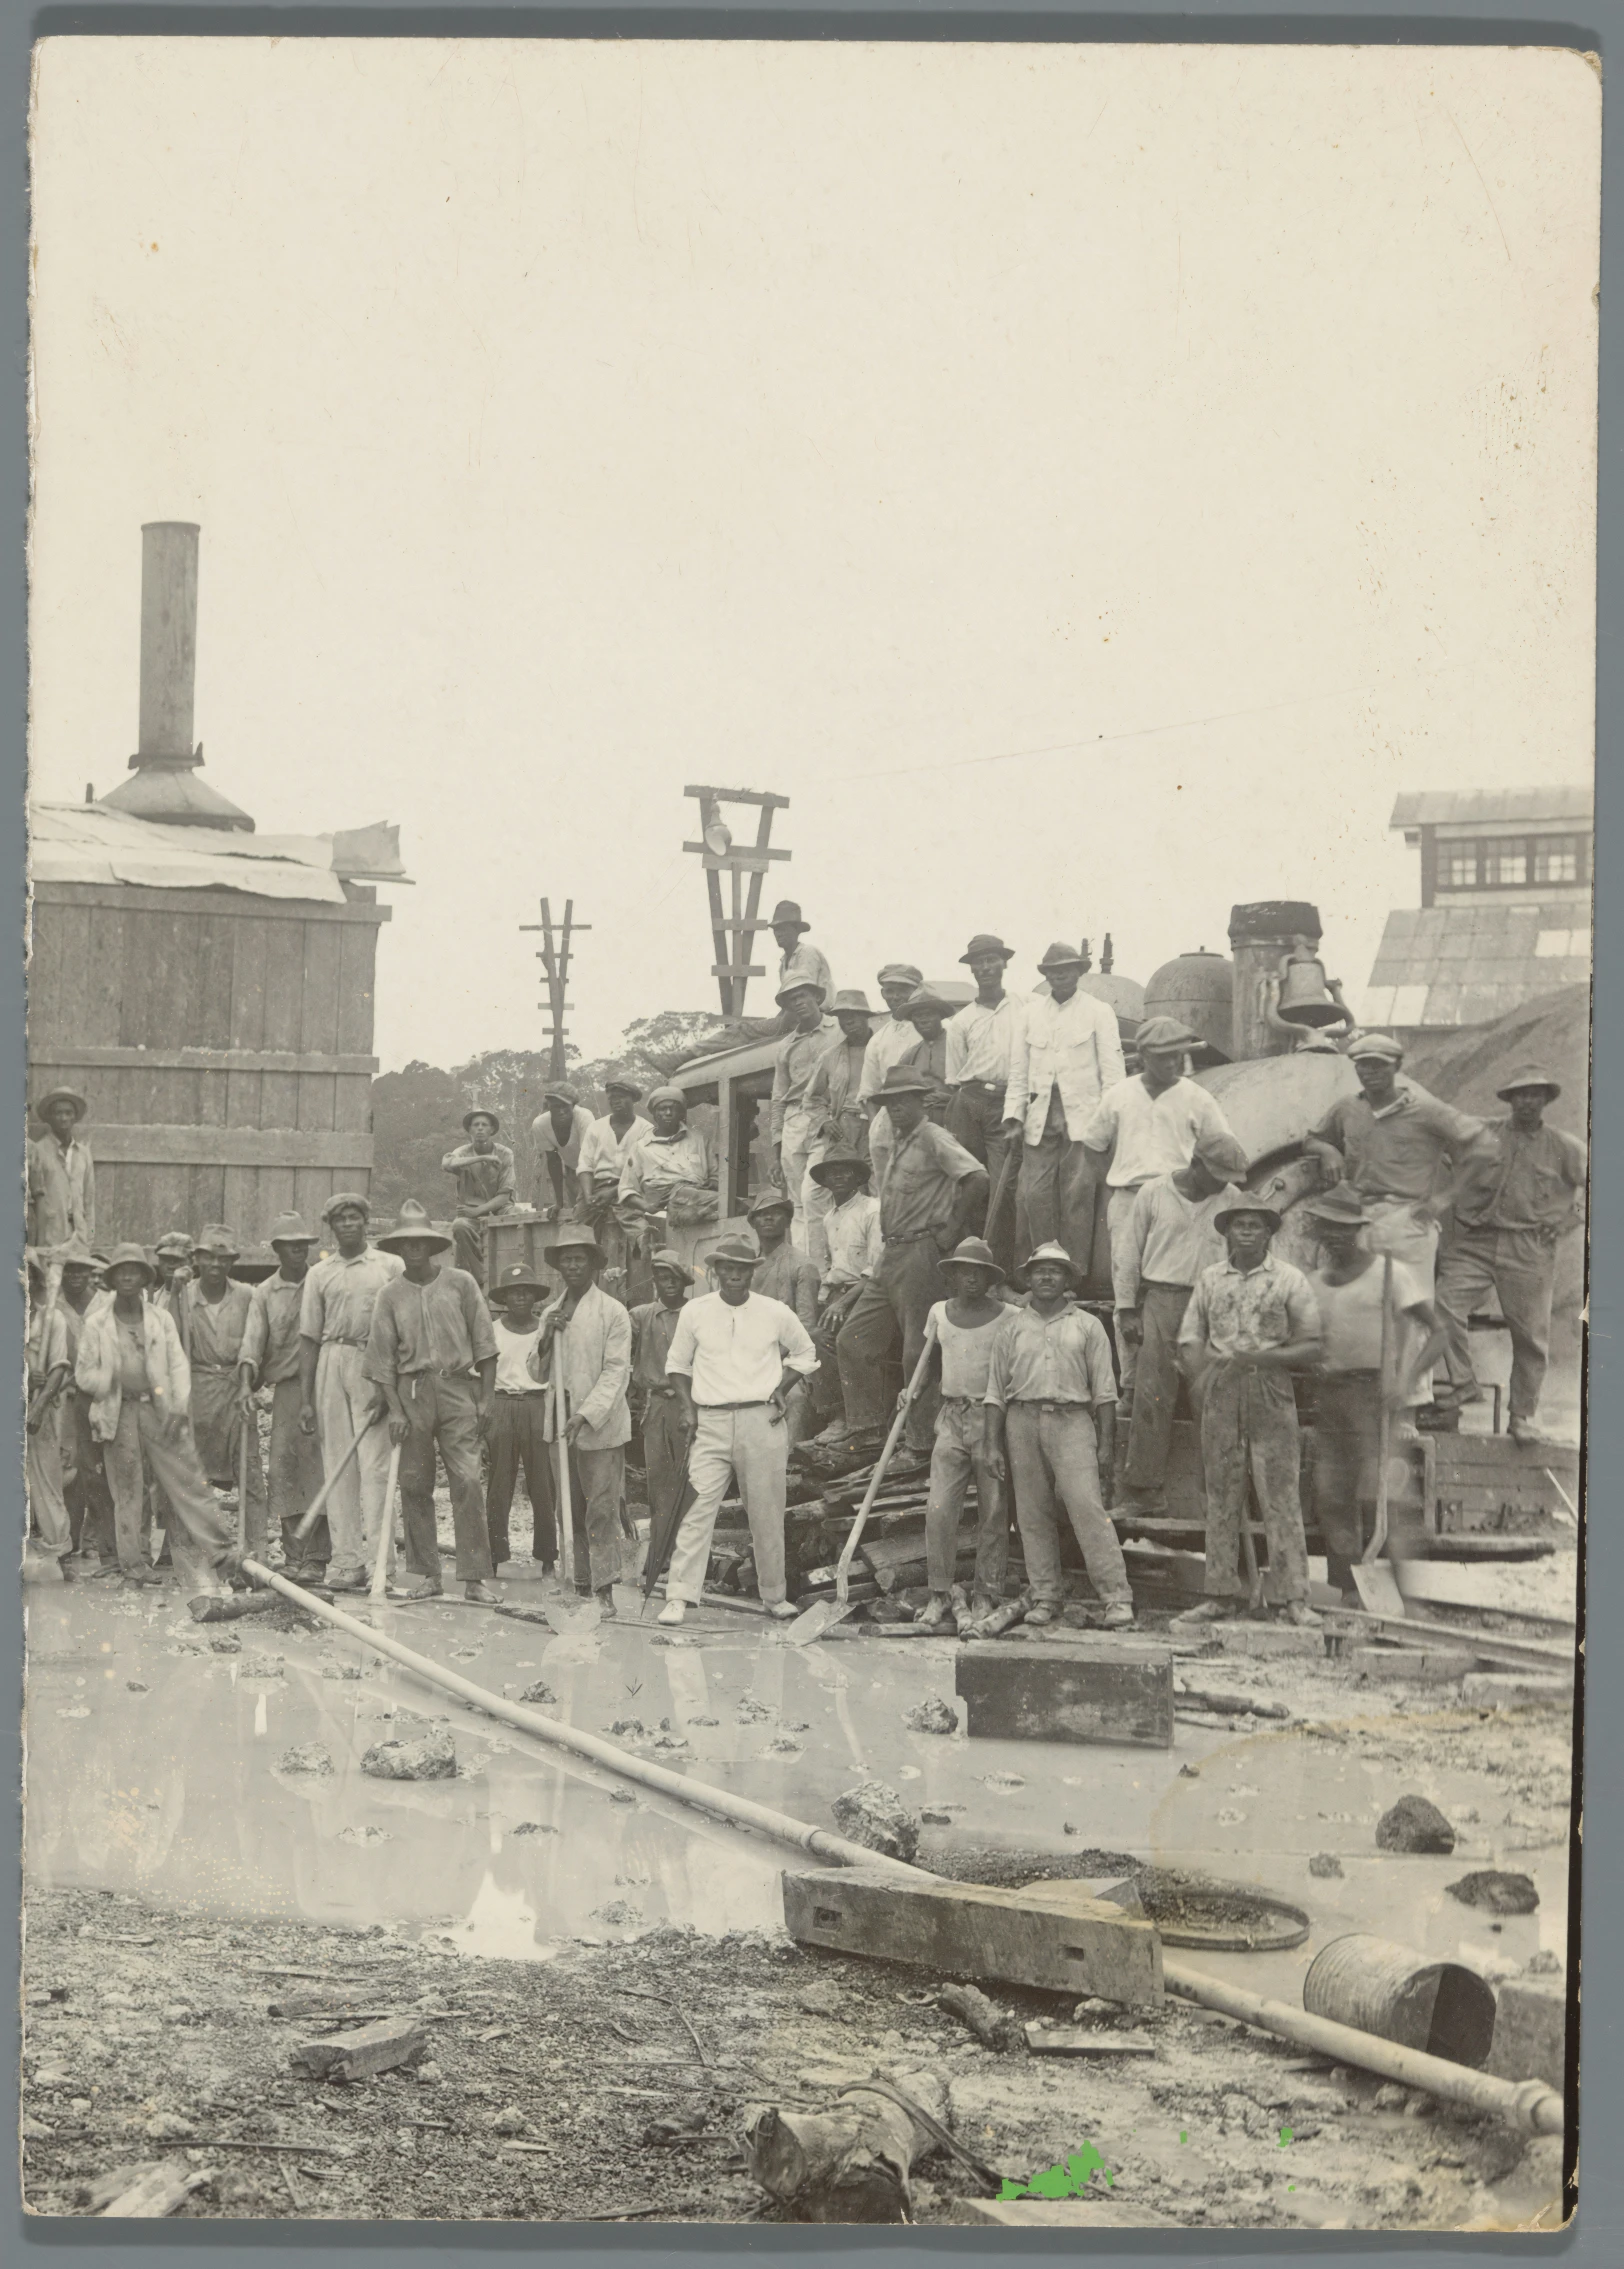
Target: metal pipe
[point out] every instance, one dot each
(168, 640)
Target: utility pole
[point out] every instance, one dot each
(555, 961)
(734, 932)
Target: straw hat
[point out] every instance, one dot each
(574, 1237)
(413, 1226)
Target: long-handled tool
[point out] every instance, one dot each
(566, 1502)
(314, 1509)
(1254, 1574)
(1384, 1430)
(386, 1526)
(824, 1613)
(245, 1419)
(662, 1533)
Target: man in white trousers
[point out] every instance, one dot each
(735, 1359)
(338, 1398)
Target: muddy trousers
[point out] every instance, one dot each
(1056, 1193)
(516, 1437)
(960, 1451)
(89, 1500)
(199, 1541)
(665, 1453)
(468, 1242)
(442, 1410)
(1156, 1385)
(345, 1398)
(1249, 1431)
(1119, 1227)
(1054, 1462)
(217, 1429)
(751, 1441)
(892, 1306)
(975, 1118)
(597, 1491)
(1519, 1266)
(1347, 1453)
(295, 1479)
(46, 1501)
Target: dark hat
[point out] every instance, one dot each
(71, 1095)
(623, 1083)
(413, 1226)
(770, 1201)
(518, 1278)
(664, 1257)
(945, 999)
(289, 1229)
(481, 1111)
(557, 1091)
(839, 1154)
(734, 1249)
(983, 943)
(132, 1256)
(1164, 1032)
(900, 973)
(1241, 1203)
(76, 1254)
(342, 1198)
(797, 985)
(786, 916)
(1525, 1077)
(576, 1237)
(971, 1252)
(902, 1079)
(1062, 956)
(1341, 1203)
(1049, 1252)
(217, 1238)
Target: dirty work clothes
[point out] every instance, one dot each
(1148, 1134)
(1064, 1357)
(1155, 1384)
(1054, 1454)
(597, 1492)
(831, 1094)
(479, 1175)
(889, 1312)
(852, 1235)
(295, 1479)
(592, 1354)
(1519, 1267)
(1399, 1149)
(61, 1192)
(346, 1401)
(805, 965)
(118, 1357)
(605, 1150)
(975, 1119)
(85, 1491)
(892, 1039)
(959, 1451)
(517, 1436)
(270, 1341)
(1522, 1181)
(441, 1325)
(929, 1059)
(660, 1166)
(199, 1542)
(1236, 1311)
(47, 1502)
(442, 1412)
(1249, 1428)
(339, 1293)
(1347, 1451)
(664, 1451)
(215, 1330)
(1167, 1238)
(752, 1442)
(790, 1277)
(1056, 1189)
(558, 1163)
(1407, 1233)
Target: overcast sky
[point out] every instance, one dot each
(1088, 483)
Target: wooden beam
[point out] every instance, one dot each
(135, 898)
(69, 1058)
(230, 1146)
(1112, 1691)
(739, 796)
(737, 969)
(735, 862)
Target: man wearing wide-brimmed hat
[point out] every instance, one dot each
(61, 1173)
(211, 1315)
(269, 1358)
(516, 1432)
(431, 1353)
(337, 1397)
(893, 1038)
(964, 1448)
(1522, 1192)
(1252, 1320)
(482, 1169)
(655, 1399)
(928, 1009)
(980, 1046)
(586, 1344)
(799, 961)
(558, 1135)
(838, 1119)
(1065, 1054)
(85, 1491)
(794, 1062)
(850, 1232)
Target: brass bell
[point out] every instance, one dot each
(1305, 997)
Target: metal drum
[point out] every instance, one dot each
(1404, 1996)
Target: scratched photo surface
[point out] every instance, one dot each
(810, 840)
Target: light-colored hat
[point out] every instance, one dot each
(1049, 1252)
(558, 1091)
(1525, 1077)
(575, 1237)
(341, 1198)
(983, 943)
(623, 1083)
(81, 1108)
(1376, 1044)
(481, 1111)
(797, 985)
(734, 1249)
(770, 1201)
(174, 1241)
(1165, 1032)
(217, 1238)
(289, 1229)
(1062, 956)
(900, 973)
(850, 1002)
(666, 1094)
(76, 1254)
(1221, 1155)
(1241, 1203)
(902, 1079)
(413, 1226)
(130, 1256)
(665, 1258)
(971, 1252)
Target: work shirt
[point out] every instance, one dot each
(271, 1341)
(919, 1187)
(738, 1354)
(1351, 1316)
(1242, 1311)
(1074, 1046)
(213, 1330)
(1060, 1358)
(966, 1354)
(855, 1244)
(131, 1357)
(513, 1352)
(117, 1358)
(339, 1294)
(61, 1192)
(480, 1174)
(795, 1062)
(981, 1041)
(605, 1152)
(592, 1354)
(890, 1042)
(805, 965)
(1170, 1238)
(545, 1146)
(831, 1092)
(1398, 1151)
(789, 1276)
(654, 1326)
(443, 1325)
(1153, 1134)
(658, 1163)
(930, 1058)
(1523, 1181)
(48, 1350)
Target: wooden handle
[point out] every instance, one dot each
(843, 1564)
(566, 1509)
(1384, 1432)
(386, 1525)
(313, 1511)
(245, 1419)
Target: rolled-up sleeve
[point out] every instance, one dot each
(255, 1333)
(383, 1341)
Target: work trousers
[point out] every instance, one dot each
(1398, 1228)
(795, 1153)
(892, 1306)
(975, 1118)
(1156, 1384)
(1520, 1268)
(1249, 1430)
(295, 1480)
(46, 1501)
(217, 1429)
(89, 1500)
(1054, 1455)
(664, 1453)
(1119, 1224)
(344, 1398)
(199, 1541)
(517, 1436)
(1347, 1466)
(960, 1450)
(443, 1412)
(1056, 1189)
(752, 1442)
(595, 1506)
(468, 1242)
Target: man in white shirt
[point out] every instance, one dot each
(894, 1038)
(855, 1248)
(793, 1127)
(735, 1358)
(1064, 1056)
(557, 1134)
(605, 1148)
(980, 1044)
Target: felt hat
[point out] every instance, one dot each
(574, 1237)
(1341, 1203)
(797, 985)
(984, 942)
(734, 1249)
(1375, 1044)
(517, 1278)
(1164, 1032)
(1049, 1252)
(839, 1154)
(902, 1079)
(666, 1094)
(1525, 1077)
(787, 916)
(1221, 1155)
(1241, 1203)
(665, 1258)
(849, 1001)
(289, 1229)
(939, 999)
(81, 1108)
(174, 1241)
(341, 1198)
(412, 1225)
(76, 1254)
(770, 1201)
(217, 1238)
(1062, 956)
(132, 1256)
(558, 1091)
(900, 973)
(622, 1083)
(971, 1252)
(481, 1111)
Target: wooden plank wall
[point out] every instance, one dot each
(180, 1011)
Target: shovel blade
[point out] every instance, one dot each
(1377, 1587)
(813, 1621)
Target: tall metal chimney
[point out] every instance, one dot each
(166, 788)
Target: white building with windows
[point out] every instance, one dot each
(1505, 907)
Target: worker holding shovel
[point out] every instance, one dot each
(962, 1329)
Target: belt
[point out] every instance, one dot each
(1048, 1404)
(1333, 1378)
(217, 1368)
(671, 1391)
(519, 1394)
(987, 1086)
(918, 1237)
(764, 1404)
(126, 1396)
(1160, 1284)
(343, 1339)
(962, 1402)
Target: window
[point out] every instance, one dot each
(1556, 858)
(1507, 863)
(1460, 866)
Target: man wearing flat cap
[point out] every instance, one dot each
(672, 1171)
(269, 1357)
(61, 1174)
(981, 1043)
(1521, 1193)
(893, 1038)
(1065, 1054)
(211, 1315)
(558, 1135)
(795, 1060)
(338, 1399)
(482, 1169)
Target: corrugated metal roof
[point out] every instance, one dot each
(1466, 964)
(1454, 807)
(89, 843)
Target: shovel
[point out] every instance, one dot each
(313, 1510)
(1373, 1577)
(823, 1614)
(386, 1527)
